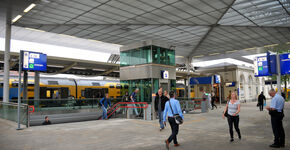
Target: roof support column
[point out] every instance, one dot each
(188, 61)
(36, 89)
(7, 54)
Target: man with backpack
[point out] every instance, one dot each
(106, 104)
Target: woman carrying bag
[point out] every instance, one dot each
(232, 111)
(175, 117)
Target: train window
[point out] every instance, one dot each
(126, 87)
(52, 82)
(118, 86)
(47, 93)
(1, 84)
(31, 84)
(96, 84)
(14, 84)
(111, 86)
(30, 90)
(83, 93)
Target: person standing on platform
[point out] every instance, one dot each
(166, 94)
(213, 98)
(159, 104)
(261, 99)
(133, 98)
(46, 121)
(172, 107)
(277, 114)
(205, 96)
(233, 108)
(126, 97)
(106, 104)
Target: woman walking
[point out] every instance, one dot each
(233, 110)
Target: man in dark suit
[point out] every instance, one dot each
(160, 101)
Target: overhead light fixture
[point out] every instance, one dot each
(272, 45)
(94, 40)
(214, 54)
(29, 8)
(179, 56)
(67, 36)
(35, 30)
(198, 56)
(247, 49)
(231, 51)
(16, 18)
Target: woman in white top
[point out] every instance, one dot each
(233, 108)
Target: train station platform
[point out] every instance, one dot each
(204, 131)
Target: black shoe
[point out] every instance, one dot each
(232, 140)
(274, 146)
(282, 145)
(240, 137)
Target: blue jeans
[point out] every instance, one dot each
(104, 112)
(135, 109)
(160, 114)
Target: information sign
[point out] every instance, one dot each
(33, 61)
(285, 63)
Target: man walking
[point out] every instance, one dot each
(261, 99)
(105, 103)
(160, 101)
(277, 114)
(133, 98)
(172, 107)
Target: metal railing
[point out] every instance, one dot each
(127, 105)
(8, 111)
(65, 104)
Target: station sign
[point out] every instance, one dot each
(285, 63)
(272, 63)
(34, 61)
(217, 79)
(201, 80)
(164, 74)
(261, 67)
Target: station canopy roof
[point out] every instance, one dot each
(199, 29)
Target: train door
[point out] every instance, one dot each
(64, 92)
(43, 93)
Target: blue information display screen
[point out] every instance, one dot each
(261, 66)
(217, 79)
(285, 63)
(33, 61)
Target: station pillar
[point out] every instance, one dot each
(25, 77)
(36, 89)
(7, 53)
(148, 65)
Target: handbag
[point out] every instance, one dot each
(226, 113)
(178, 119)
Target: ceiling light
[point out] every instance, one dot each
(214, 54)
(272, 45)
(231, 51)
(35, 30)
(247, 49)
(179, 56)
(29, 8)
(16, 18)
(198, 56)
(67, 36)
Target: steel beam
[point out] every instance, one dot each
(209, 31)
